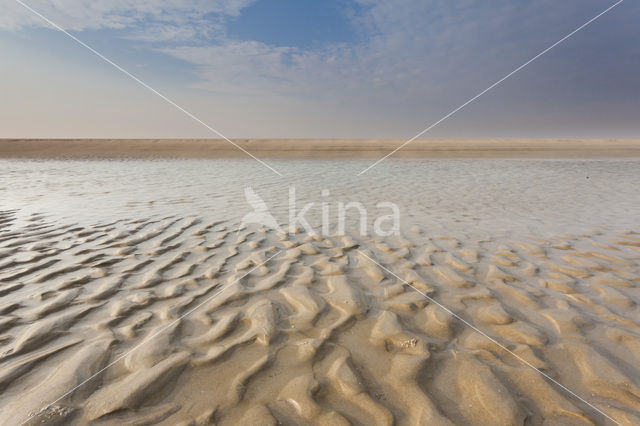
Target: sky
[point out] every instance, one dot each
(319, 68)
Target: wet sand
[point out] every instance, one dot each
(266, 328)
(128, 295)
(319, 148)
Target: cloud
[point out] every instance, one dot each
(146, 20)
(412, 59)
(252, 68)
(406, 48)
(420, 54)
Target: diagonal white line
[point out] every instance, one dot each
(492, 86)
(147, 340)
(450, 312)
(142, 83)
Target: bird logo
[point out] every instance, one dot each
(260, 214)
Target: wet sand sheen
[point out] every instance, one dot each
(317, 334)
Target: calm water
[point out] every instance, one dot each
(457, 195)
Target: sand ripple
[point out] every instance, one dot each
(318, 334)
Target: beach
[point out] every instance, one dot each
(318, 148)
(131, 292)
(432, 216)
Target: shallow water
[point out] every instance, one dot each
(466, 195)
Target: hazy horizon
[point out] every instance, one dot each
(339, 69)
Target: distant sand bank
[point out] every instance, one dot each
(321, 148)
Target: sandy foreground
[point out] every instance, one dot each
(327, 148)
(266, 328)
(510, 297)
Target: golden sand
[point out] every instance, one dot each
(265, 328)
(326, 148)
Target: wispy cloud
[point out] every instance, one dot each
(148, 20)
(412, 60)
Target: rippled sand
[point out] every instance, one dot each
(318, 333)
(181, 319)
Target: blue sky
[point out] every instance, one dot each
(297, 23)
(311, 68)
